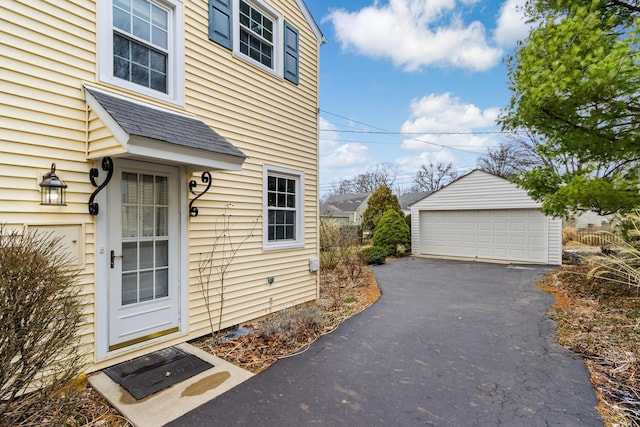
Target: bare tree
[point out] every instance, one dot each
(509, 159)
(367, 182)
(433, 177)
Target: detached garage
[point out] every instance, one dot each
(483, 216)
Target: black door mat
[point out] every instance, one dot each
(156, 371)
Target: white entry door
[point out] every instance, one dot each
(144, 261)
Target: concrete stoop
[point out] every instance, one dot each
(175, 401)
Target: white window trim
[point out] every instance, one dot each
(175, 63)
(278, 36)
(299, 177)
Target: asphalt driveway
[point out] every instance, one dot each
(449, 343)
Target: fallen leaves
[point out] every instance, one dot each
(601, 322)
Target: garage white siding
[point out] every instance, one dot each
(507, 234)
(484, 216)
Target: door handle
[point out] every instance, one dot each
(113, 257)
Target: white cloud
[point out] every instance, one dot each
(444, 113)
(340, 160)
(511, 25)
(337, 154)
(416, 33)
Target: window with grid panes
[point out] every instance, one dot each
(141, 43)
(282, 208)
(256, 35)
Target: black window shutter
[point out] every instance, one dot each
(291, 53)
(220, 25)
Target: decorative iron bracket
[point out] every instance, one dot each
(206, 179)
(107, 166)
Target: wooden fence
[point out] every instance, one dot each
(598, 238)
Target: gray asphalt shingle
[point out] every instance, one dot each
(148, 122)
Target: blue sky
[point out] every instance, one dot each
(430, 72)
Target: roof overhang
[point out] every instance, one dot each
(150, 132)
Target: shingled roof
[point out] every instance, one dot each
(146, 121)
(347, 202)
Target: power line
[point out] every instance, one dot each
(487, 132)
(388, 132)
(395, 142)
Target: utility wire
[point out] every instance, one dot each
(388, 132)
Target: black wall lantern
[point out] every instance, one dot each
(52, 189)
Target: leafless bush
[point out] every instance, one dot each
(292, 326)
(215, 263)
(339, 248)
(40, 314)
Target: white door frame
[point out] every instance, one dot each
(102, 267)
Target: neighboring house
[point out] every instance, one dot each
(590, 220)
(156, 95)
(347, 209)
(483, 216)
(407, 199)
(329, 212)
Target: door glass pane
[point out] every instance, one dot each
(146, 254)
(129, 256)
(129, 188)
(129, 221)
(147, 189)
(147, 221)
(129, 288)
(162, 253)
(146, 285)
(145, 230)
(162, 283)
(162, 216)
(161, 190)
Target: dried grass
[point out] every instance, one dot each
(601, 322)
(569, 234)
(79, 406)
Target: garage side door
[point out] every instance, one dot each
(508, 234)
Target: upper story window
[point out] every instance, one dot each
(256, 32)
(141, 46)
(140, 43)
(256, 35)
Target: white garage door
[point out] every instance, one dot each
(507, 234)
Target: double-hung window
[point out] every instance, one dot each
(257, 33)
(283, 208)
(141, 46)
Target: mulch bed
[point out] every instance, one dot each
(601, 322)
(340, 298)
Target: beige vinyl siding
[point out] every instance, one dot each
(273, 122)
(48, 51)
(100, 141)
